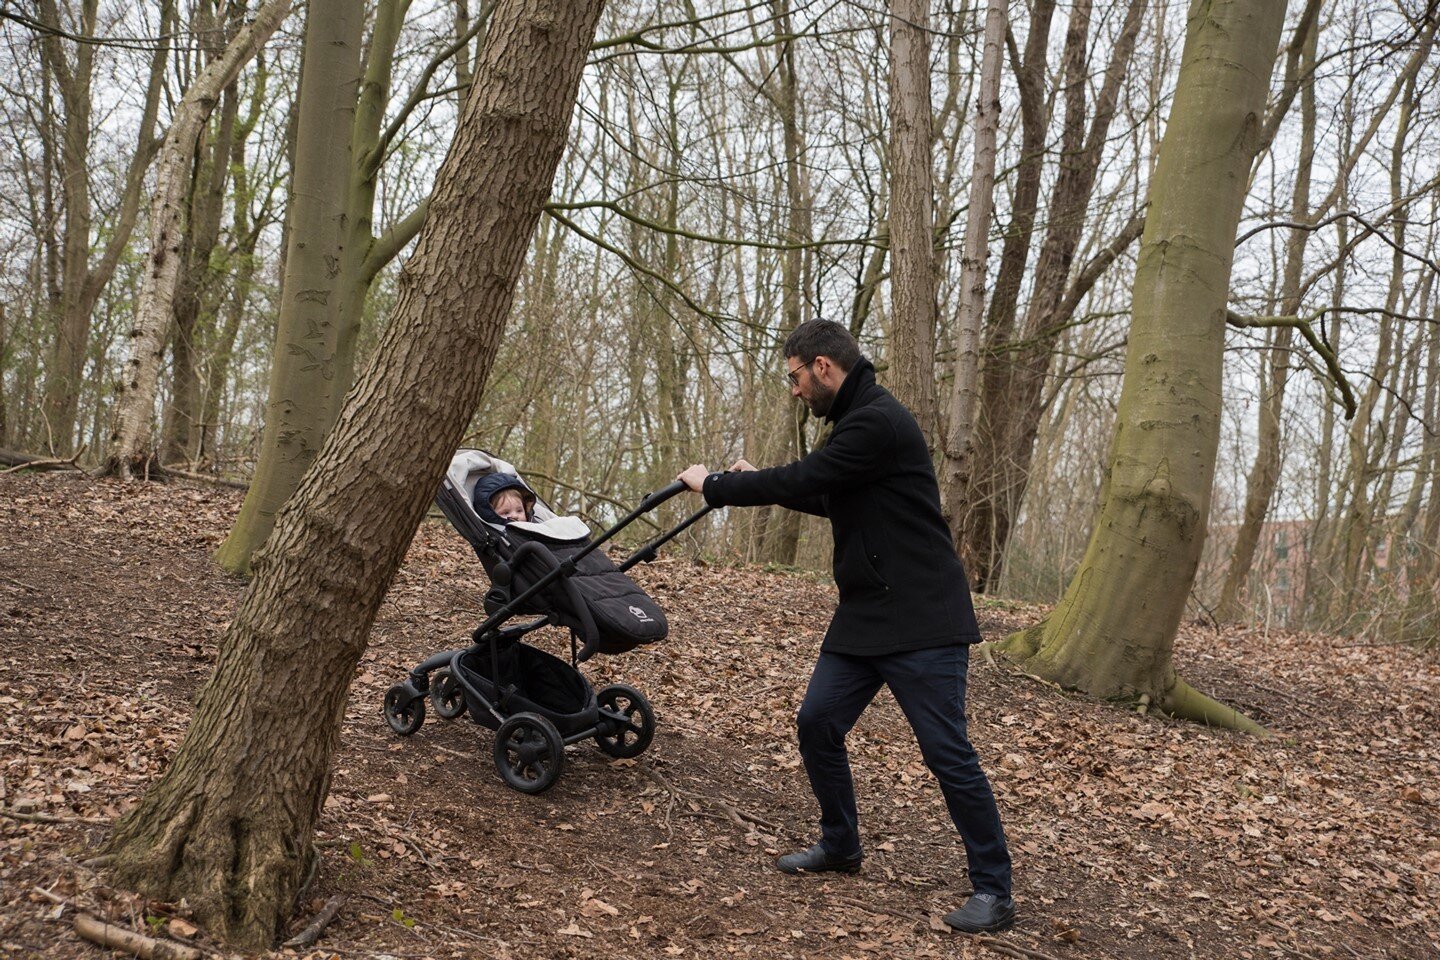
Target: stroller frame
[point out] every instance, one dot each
(529, 747)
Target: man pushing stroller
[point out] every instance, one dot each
(905, 617)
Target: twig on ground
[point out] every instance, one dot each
(54, 898)
(147, 948)
(736, 816)
(1014, 950)
(50, 818)
(418, 852)
(312, 931)
(206, 478)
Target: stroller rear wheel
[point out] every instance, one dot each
(529, 753)
(446, 696)
(630, 719)
(404, 709)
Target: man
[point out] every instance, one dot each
(905, 617)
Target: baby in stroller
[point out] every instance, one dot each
(546, 566)
(503, 498)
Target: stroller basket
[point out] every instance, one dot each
(530, 680)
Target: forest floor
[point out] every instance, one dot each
(1133, 836)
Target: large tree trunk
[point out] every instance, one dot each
(1113, 632)
(912, 215)
(131, 451)
(304, 388)
(229, 825)
(965, 390)
(1017, 366)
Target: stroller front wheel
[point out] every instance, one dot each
(630, 719)
(446, 695)
(404, 709)
(529, 753)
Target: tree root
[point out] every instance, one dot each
(1179, 700)
(1184, 702)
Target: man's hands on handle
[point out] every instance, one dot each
(694, 475)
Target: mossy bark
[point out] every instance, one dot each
(229, 825)
(1113, 632)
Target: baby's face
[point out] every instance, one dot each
(508, 504)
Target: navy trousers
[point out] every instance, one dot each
(929, 685)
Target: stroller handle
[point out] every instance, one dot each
(652, 500)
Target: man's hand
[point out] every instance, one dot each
(741, 465)
(694, 476)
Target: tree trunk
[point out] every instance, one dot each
(1015, 374)
(912, 215)
(304, 389)
(229, 825)
(1265, 471)
(1113, 633)
(965, 391)
(131, 451)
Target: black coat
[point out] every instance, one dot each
(901, 584)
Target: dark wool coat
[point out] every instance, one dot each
(901, 585)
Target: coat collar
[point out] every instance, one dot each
(860, 376)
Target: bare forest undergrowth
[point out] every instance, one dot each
(1133, 836)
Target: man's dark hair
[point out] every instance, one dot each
(823, 338)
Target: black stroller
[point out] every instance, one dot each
(551, 569)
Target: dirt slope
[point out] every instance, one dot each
(1133, 837)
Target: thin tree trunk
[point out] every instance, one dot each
(229, 825)
(304, 389)
(965, 391)
(1113, 632)
(912, 215)
(130, 442)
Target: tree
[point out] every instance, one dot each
(326, 297)
(131, 449)
(304, 386)
(229, 825)
(912, 215)
(1113, 632)
(81, 283)
(964, 396)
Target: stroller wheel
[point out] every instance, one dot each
(529, 752)
(630, 721)
(404, 709)
(446, 696)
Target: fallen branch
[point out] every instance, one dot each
(205, 478)
(146, 948)
(24, 461)
(312, 932)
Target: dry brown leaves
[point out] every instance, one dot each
(1133, 836)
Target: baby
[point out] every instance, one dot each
(510, 505)
(503, 498)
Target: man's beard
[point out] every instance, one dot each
(821, 400)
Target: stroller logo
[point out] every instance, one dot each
(641, 615)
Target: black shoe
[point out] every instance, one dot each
(817, 860)
(983, 913)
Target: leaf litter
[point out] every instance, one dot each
(1133, 836)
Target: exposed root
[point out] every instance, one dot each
(1180, 700)
(1184, 702)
